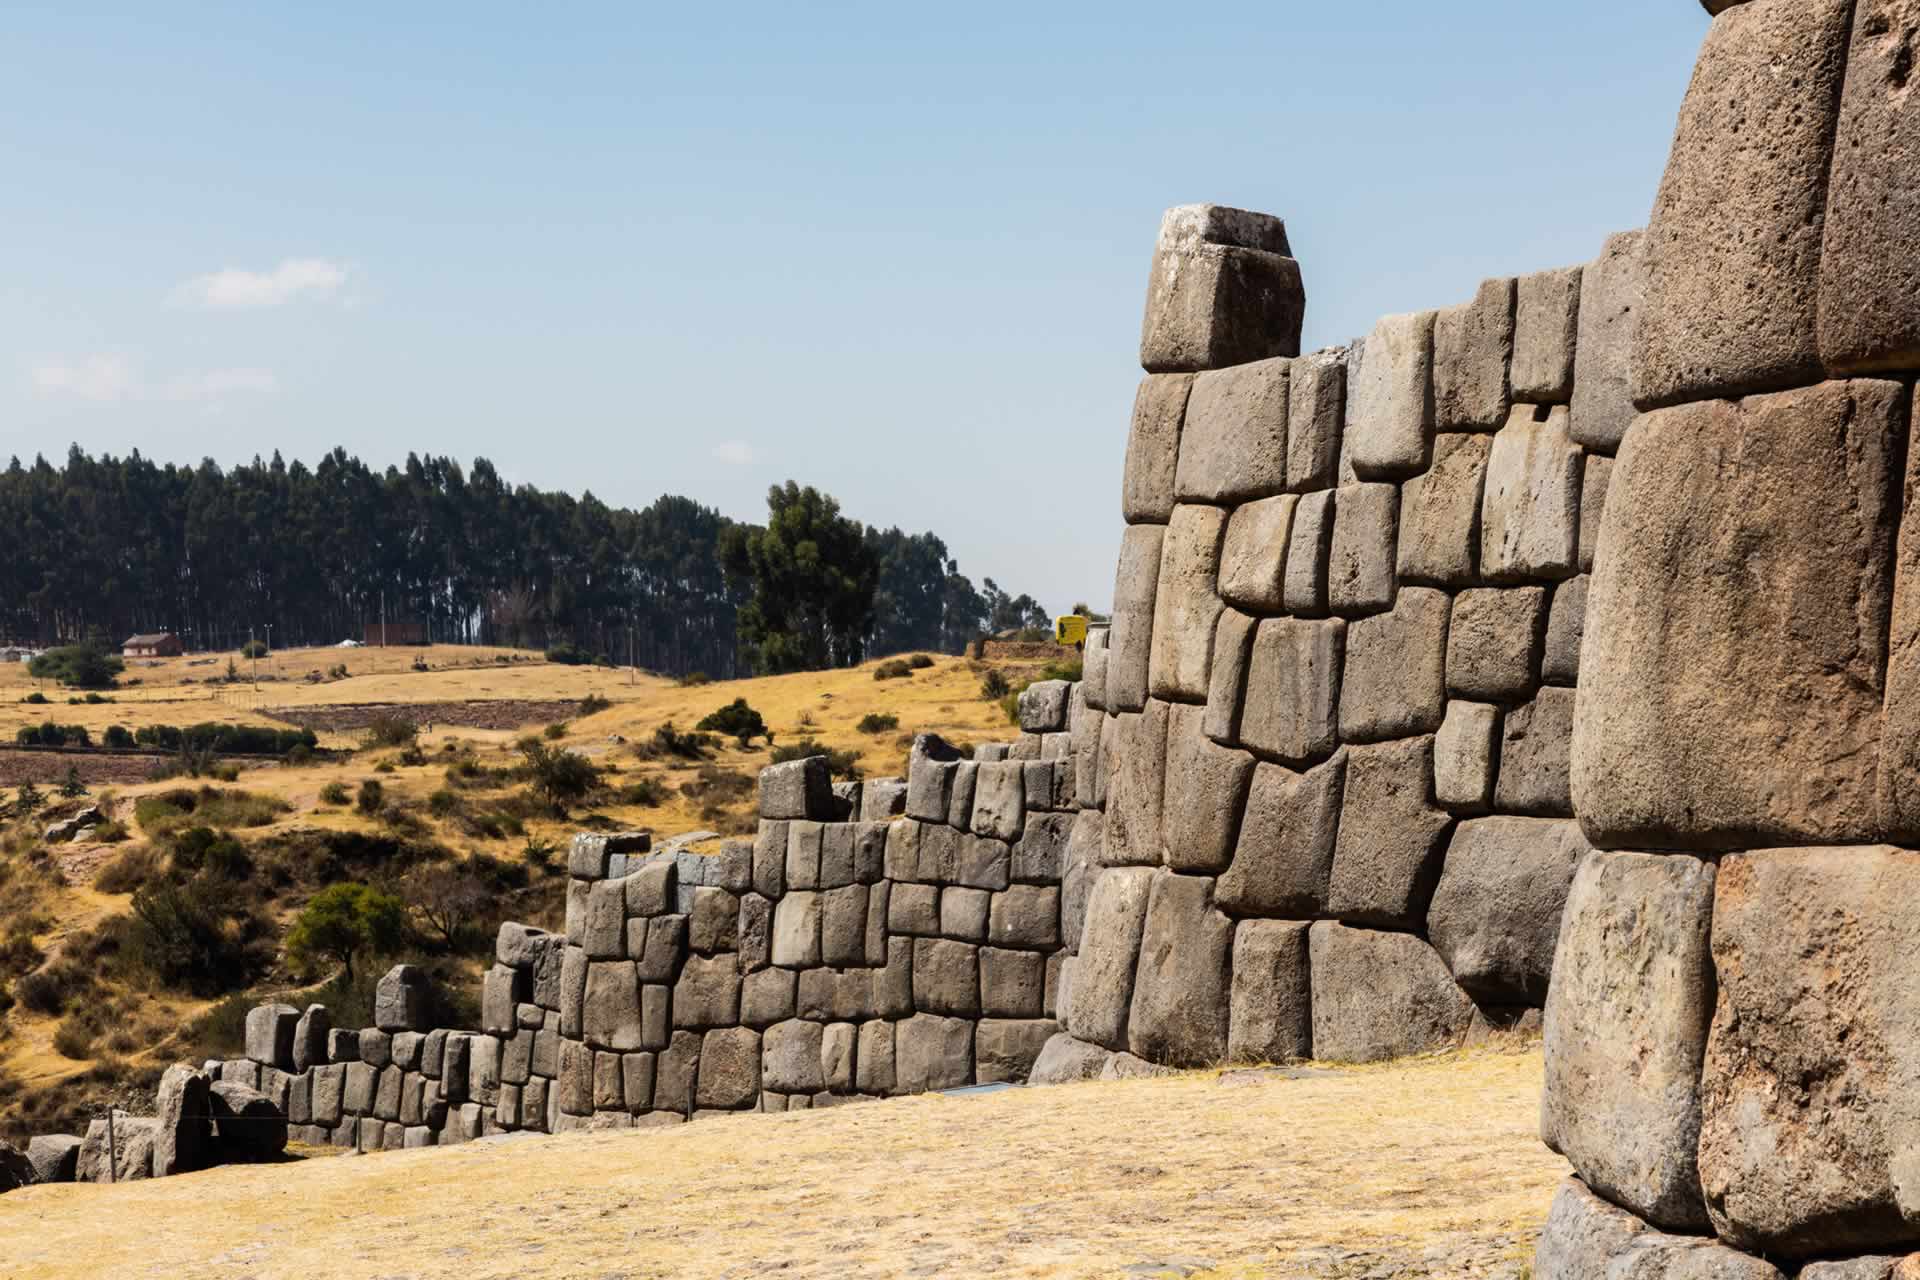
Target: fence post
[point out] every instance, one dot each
(113, 1154)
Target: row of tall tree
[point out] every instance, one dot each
(110, 547)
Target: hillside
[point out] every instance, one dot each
(1423, 1168)
(451, 807)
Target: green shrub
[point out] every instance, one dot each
(737, 720)
(37, 698)
(593, 704)
(893, 669)
(170, 811)
(254, 649)
(694, 680)
(343, 921)
(226, 739)
(557, 776)
(80, 666)
(568, 654)
(920, 662)
(334, 793)
(389, 731)
(555, 732)
(195, 935)
(372, 797)
(688, 746)
(118, 738)
(647, 793)
(878, 722)
(50, 734)
(994, 685)
(72, 1039)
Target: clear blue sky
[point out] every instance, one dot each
(896, 251)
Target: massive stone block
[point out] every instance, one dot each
(610, 1013)
(1390, 399)
(183, 1129)
(1227, 686)
(1535, 741)
(1271, 1014)
(1309, 547)
(797, 789)
(1530, 509)
(1316, 406)
(1293, 689)
(1472, 353)
(1135, 756)
(1566, 625)
(1153, 448)
(1439, 541)
(1596, 470)
(1005, 1050)
(1116, 915)
(1809, 1121)
(1395, 681)
(1588, 1239)
(1234, 444)
(1626, 1030)
(1463, 756)
(1495, 916)
(946, 977)
(1283, 859)
(1224, 290)
(1387, 856)
(1613, 293)
(932, 1052)
(707, 994)
(1733, 247)
(1735, 648)
(1545, 327)
(1179, 1012)
(270, 1029)
(1494, 643)
(1136, 584)
(729, 1071)
(1012, 984)
(1205, 790)
(1188, 604)
(791, 1057)
(1381, 995)
(1253, 561)
(1360, 560)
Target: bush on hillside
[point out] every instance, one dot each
(878, 722)
(738, 721)
(558, 776)
(79, 666)
(893, 669)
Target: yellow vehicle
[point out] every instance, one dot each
(1070, 629)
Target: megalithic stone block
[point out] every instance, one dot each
(1153, 448)
(1472, 357)
(1545, 326)
(1390, 399)
(1733, 247)
(1613, 295)
(1316, 408)
(1224, 290)
(1530, 508)
(1136, 585)
(1188, 602)
(1234, 444)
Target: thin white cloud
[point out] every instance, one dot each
(735, 453)
(114, 379)
(235, 289)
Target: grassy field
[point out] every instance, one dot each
(59, 902)
(1424, 1168)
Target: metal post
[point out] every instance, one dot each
(113, 1155)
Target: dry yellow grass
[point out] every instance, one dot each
(1425, 1168)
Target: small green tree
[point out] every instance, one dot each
(342, 921)
(73, 788)
(557, 776)
(79, 666)
(29, 801)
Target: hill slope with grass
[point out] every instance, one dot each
(146, 942)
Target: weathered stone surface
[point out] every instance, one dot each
(1309, 548)
(1109, 949)
(1495, 917)
(1588, 1239)
(1025, 915)
(1395, 681)
(1136, 774)
(791, 1057)
(1535, 741)
(1566, 625)
(946, 977)
(1136, 584)
(1530, 509)
(999, 800)
(310, 1035)
(796, 930)
(1381, 995)
(1316, 406)
(1253, 561)
(666, 943)
(1735, 654)
(1013, 984)
(1613, 292)
(1180, 993)
(1472, 354)
(1494, 643)
(1546, 325)
(1293, 689)
(1867, 1268)
(605, 935)
(1227, 687)
(502, 990)
(270, 1029)
(1093, 664)
(770, 858)
(1040, 852)
(1188, 604)
(1626, 1030)
(931, 1052)
(729, 1072)
(1899, 793)
(1004, 1050)
(1234, 444)
(1386, 859)
(1081, 868)
(54, 1156)
(1043, 706)
(1284, 856)
(610, 1010)
(1205, 790)
(1153, 448)
(1463, 754)
(128, 1157)
(1390, 399)
(1064, 1060)
(1439, 540)
(1360, 560)
(836, 855)
(1808, 1124)
(707, 994)
(1733, 247)
(675, 1072)
(1271, 1010)
(183, 1129)
(873, 1058)
(246, 1124)
(1224, 290)
(963, 913)
(797, 789)
(843, 926)
(806, 840)
(1595, 473)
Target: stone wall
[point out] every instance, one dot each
(1333, 710)
(1732, 1045)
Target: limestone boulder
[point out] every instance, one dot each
(1179, 1011)
(1205, 791)
(1626, 1031)
(931, 1052)
(1227, 686)
(797, 789)
(246, 1123)
(999, 800)
(1381, 995)
(610, 1012)
(1309, 547)
(1135, 758)
(1153, 448)
(1065, 1060)
(1316, 408)
(1136, 586)
(1530, 506)
(1224, 290)
(1293, 696)
(1360, 559)
(183, 1121)
(1586, 1238)
(728, 1076)
(1390, 399)
(1535, 746)
(1116, 916)
(269, 1034)
(1463, 756)
(1495, 917)
(1005, 1049)
(54, 1156)
(1233, 446)
(124, 1156)
(1566, 627)
(1472, 357)
(1386, 859)
(1395, 681)
(1545, 329)
(1283, 857)
(1439, 539)
(1494, 643)
(1735, 654)
(1188, 604)
(1733, 246)
(1613, 292)
(1270, 1015)
(400, 1000)
(1253, 560)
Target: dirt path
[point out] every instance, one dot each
(1431, 1168)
